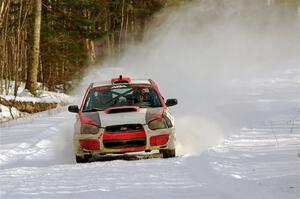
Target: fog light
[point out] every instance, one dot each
(159, 140)
(90, 144)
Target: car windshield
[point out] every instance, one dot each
(100, 98)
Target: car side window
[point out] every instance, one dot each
(87, 103)
(154, 98)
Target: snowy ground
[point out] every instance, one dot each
(260, 161)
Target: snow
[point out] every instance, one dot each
(259, 161)
(43, 96)
(6, 114)
(24, 95)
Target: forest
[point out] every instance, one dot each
(53, 41)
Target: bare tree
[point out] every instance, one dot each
(4, 10)
(32, 72)
(122, 24)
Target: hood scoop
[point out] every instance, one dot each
(122, 109)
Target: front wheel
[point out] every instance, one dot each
(83, 159)
(168, 153)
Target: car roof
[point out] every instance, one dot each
(132, 81)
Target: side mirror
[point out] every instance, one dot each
(171, 102)
(73, 109)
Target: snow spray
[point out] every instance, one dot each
(196, 54)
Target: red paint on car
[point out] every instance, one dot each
(124, 136)
(159, 140)
(90, 144)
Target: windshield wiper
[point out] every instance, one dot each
(92, 110)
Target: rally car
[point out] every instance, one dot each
(120, 116)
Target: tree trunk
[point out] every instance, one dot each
(18, 54)
(122, 24)
(4, 23)
(90, 51)
(126, 30)
(106, 29)
(31, 83)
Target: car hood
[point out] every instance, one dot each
(142, 116)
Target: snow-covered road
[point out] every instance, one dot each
(260, 161)
(257, 163)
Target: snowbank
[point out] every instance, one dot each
(14, 107)
(7, 114)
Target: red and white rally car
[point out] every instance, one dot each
(120, 116)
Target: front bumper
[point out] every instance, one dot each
(123, 142)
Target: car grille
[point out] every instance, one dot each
(124, 128)
(124, 136)
(117, 144)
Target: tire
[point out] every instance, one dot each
(84, 159)
(168, 153)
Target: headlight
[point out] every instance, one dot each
(168, 121)
(158, 124)
(88, 129)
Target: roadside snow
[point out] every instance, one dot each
(25, 96)
(6, 114)
(43, 96)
